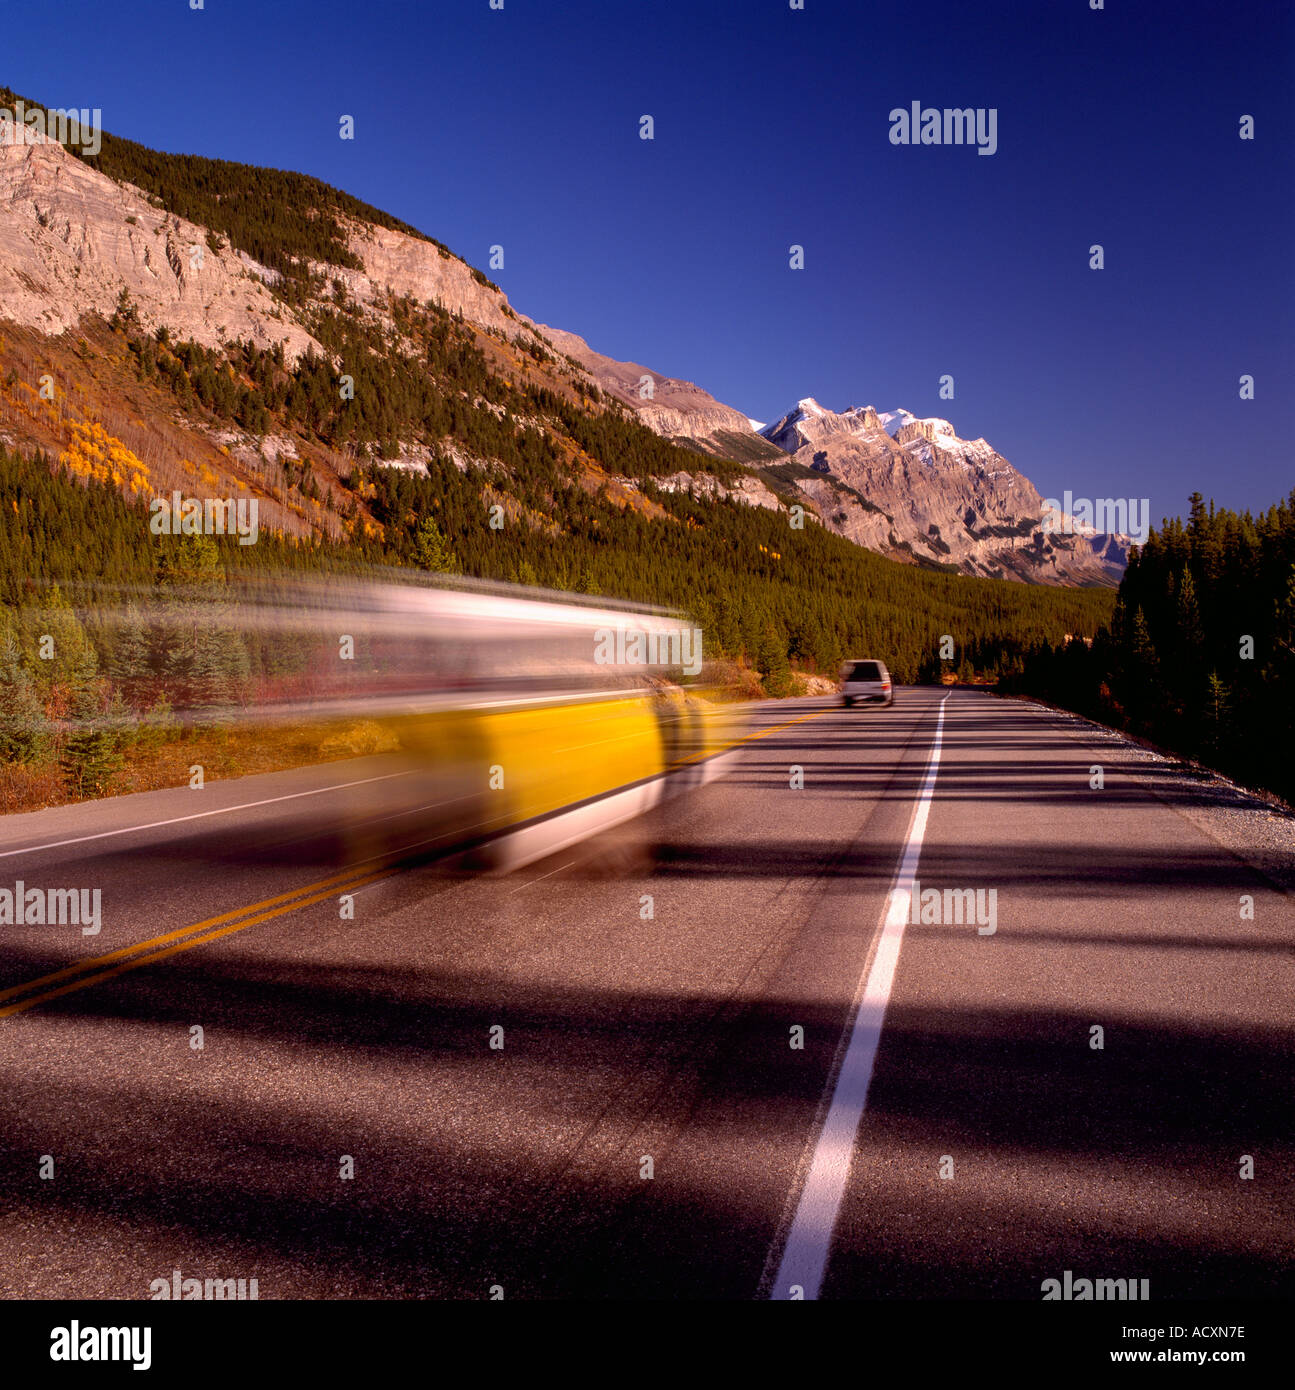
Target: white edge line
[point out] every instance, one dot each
(199, 815)
(809, 1242)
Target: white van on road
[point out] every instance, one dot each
(866, 683)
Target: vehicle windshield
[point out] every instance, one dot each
(866, 671)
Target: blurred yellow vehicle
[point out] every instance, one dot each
(507, 725)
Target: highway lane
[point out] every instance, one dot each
(629, 1037)
(1120, 1162)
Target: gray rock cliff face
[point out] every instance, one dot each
(676, 409)
(406, 265)
(73, 239)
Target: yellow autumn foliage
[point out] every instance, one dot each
(95, 454)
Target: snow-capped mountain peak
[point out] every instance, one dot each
(931, 495)
(894, 420)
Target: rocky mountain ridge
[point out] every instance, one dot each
(76, 240)
(893, 481)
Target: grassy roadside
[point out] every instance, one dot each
(221, 753)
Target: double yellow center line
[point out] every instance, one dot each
(96, 969)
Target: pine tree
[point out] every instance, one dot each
(432, 551)
(189, 560)
(24, 730)
(1141, 676)
(129, 652)
(1216, 715)
(89, 757)
(217, 673)
(55, 644)
(771, 660)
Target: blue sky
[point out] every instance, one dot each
(521, 127)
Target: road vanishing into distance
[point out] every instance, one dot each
(952, 1126)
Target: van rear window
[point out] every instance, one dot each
(865, 671)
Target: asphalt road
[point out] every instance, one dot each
(668, 1038)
